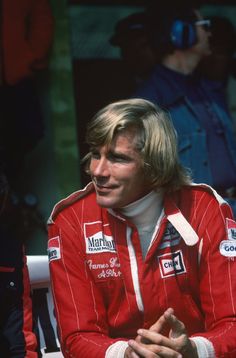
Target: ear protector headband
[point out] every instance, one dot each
(183, 34)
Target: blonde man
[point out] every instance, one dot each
(139, 258)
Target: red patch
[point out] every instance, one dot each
(54, 242)
(54, 252)
(231, 229)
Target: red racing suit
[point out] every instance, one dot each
(104, 290)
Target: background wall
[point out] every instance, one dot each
(84, 75)
(54, 166)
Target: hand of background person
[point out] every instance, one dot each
(151, 343)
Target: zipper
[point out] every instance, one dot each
(134, 270)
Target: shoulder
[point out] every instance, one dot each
(150, 87)
(74, 201)
(203, 189)
(159, 88)
(202, 199)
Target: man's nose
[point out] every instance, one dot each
(101, 167)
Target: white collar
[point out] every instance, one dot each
(145, 211)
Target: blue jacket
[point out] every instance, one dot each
(192, 142)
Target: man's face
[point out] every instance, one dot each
(202, 47)
(138, 55)
(117, 172)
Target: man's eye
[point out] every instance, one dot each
(95, 155)
(118, 158)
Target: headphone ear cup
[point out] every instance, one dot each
(183, 34)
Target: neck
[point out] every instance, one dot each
(184, 62)
(145, 211)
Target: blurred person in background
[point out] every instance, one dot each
(220, 64)
(26, 37)
(197, 105)
(131, 37)
(17, 339)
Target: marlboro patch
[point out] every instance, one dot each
(228, 247)
(231, 229)
(98, 238)
(54, 252)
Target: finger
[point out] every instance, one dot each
(142, 350)
(177, 326)
(156, 338)
(162, 321)
(129, 353)
(153, 350)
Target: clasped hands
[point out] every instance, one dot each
(151, 343)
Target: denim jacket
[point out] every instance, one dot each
(192, 141)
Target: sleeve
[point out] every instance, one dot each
(16, 318)
(79, 304)
(40, 33)
(30, 338)
(217, 274)
(17, 329)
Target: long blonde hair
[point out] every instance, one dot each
(156, 139)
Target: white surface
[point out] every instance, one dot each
(38, 266)
(53, 355)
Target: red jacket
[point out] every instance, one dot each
(104, 291)
(27, 32)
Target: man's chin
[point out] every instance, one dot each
(105, 202)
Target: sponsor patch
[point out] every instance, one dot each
(54, 252)
(171, 237)
(228, 248)
(231, 229)
(171, 264)
(98, 239)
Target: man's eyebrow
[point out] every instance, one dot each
(119, 154)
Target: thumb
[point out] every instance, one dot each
(177, 326)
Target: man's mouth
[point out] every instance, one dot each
(104, 188)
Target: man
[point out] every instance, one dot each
(197, 105)
(220, 64)
(141, 260)
(131, 36)
(17, 339)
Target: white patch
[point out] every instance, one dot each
(98, 238)
(228, 248)
(171, 264)
(54, 252)
(171, 237)
(99, 243)
(231, 229)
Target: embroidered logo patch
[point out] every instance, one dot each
(171, 264)
(171, 237)
(98, 239)
(228, 247)
(231, 229)
(54, 252)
